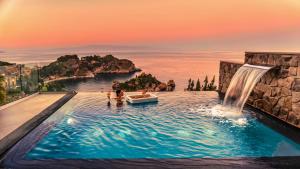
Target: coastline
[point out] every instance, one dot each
(68, 78)
(91, 76)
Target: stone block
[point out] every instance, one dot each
(281, 102)
(273, 100)
(298, 71)
(283, 113)
(286, 57)
(269, 78)
(286, 92)
(250, 100)
(284, 72)
(286, 82)
(293, 118)
(293, 71)
(275, 110)
(296, 107)
(263, 105)
(276, 91)
(274, 82)
(296, 84)
(295, 97)
(294, 61)
(268, 92)
(257, 94)
(288, 103)
(271, 60)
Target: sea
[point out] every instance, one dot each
(164, 65)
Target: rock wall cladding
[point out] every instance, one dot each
(278, 91)
(226, 72)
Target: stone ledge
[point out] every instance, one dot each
(276, 53)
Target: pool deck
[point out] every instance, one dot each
(14, 116)
(17, 119)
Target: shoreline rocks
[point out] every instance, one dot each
(144, 82)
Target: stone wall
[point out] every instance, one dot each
(278, 91)
(226, 72)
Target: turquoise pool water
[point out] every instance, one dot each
(180, 125)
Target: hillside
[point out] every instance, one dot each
(72, 65)
(5, 63)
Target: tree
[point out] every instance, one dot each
(205, 86)
(192, 85)
(189, 85)
(2, 90)
(212, 85)
(198, 86)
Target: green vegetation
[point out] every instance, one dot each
(31, 82)
(205, 87)
(144, 81)
(2, 90)
(189, 85)
(192, 85)
(5, 63)
(198, 86)
(52, 87)
(212, 86)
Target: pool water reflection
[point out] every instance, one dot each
(180, 125)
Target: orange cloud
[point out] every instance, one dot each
(35, 23)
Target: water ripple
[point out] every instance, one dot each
(183, 125)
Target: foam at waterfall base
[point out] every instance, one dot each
(224, 114)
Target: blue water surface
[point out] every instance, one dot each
(180, 125)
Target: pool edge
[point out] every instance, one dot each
(11, 139)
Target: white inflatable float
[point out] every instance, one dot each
(141, 98)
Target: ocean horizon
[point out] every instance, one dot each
(165, 65)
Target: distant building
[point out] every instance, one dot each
(10, 82)
(11, 76)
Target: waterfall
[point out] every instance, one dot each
(242, 84)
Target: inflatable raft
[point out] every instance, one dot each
(141, 98)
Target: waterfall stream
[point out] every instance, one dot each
(242, 84)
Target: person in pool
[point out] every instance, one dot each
(119, 98)
(118, 92)
(108, 97)
(121, 94)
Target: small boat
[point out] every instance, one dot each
(141, 98)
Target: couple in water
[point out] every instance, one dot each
(119, 97)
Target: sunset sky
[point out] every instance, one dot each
(172, 24)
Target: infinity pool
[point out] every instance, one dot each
(180, 125)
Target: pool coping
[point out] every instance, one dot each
(11, 139)
(235, 162)
(286, 129)
(191, 163)
(17, 101)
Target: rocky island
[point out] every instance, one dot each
(144, 82)
(71, 66)
(5, 63)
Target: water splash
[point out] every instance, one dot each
(223, 114)
(242, 84)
